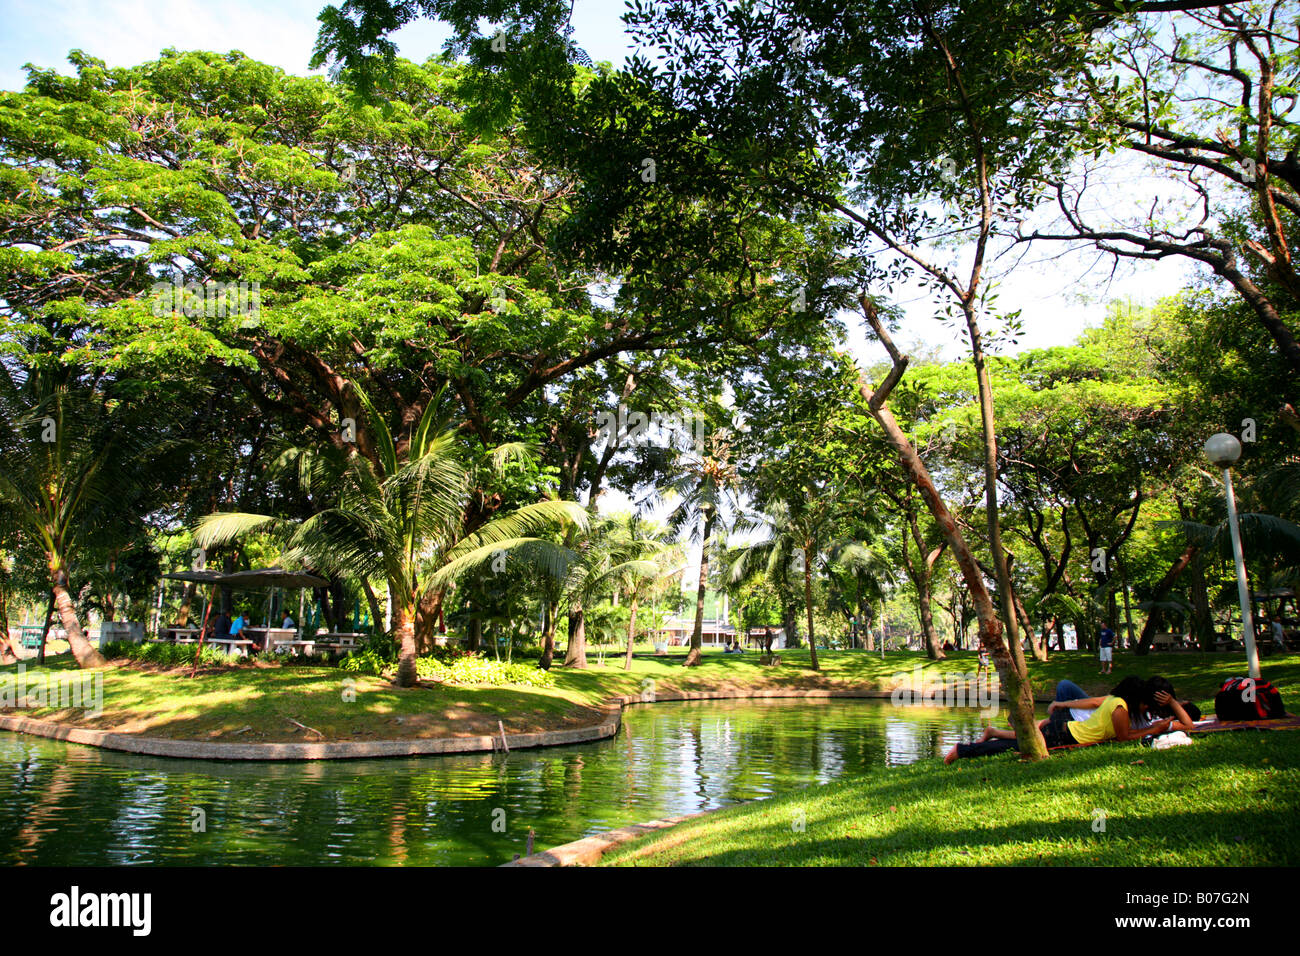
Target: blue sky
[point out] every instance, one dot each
(1058, 297)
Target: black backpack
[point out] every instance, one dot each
(1242, 698)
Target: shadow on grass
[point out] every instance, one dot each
(1220, 802)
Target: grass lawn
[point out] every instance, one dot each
(1229, 799)
(255, 702)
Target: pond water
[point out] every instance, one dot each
(71, 805)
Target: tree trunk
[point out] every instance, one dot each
(1013, 675)
(1162, 589)
(1027, 626)
(631, 634)
(322, 596)
(404, 617)
(1202, 622)
(8, 654)
(920, 575)
(340, 606)
(183, 619)
(575, 654)
(790, 622)
(1128, 615)
(697, 635)
(933, 649)
(46, 621)
(808, 601)
(1047, 635)
(426, 620)
(473, 631)
(548, 635)
(1000, 565)
(376, 615)
(85, 655)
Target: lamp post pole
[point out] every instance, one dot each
(1223, 450)
(1243, 590)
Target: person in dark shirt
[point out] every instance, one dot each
(1106, 645)
(220, 627)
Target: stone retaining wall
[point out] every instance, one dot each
(608, 725)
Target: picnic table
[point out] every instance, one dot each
(178, 634)
(269, 637)
(294, 647)
(31, 636)
(1167, 641)
(337, 640)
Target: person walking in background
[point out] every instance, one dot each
(1106, 648)
(1279, 635)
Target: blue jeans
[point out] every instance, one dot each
(1069, 690)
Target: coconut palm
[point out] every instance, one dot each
(76, 464)
(651, 557)
(705, 493)
(797, 532)
(608, 557)
(861, 576)
(404, 520)
(777, 556)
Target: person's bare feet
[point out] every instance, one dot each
(987, 735)
(950, 756)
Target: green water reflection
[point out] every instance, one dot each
(71, 805)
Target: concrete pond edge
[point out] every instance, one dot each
(611, 719)
(590, 850)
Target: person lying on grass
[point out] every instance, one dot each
(1163, 714)
(1117, 716)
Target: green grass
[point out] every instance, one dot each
(220, 702)
(1229, 799)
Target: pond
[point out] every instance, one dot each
(69, 805)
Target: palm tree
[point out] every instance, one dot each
(796, 532)
(861, 575)
(403, 520)
(608, 556)
(780, 556)
(647, 549)
(704, 491)
(75, 464)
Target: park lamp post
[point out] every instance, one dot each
(1223, 450)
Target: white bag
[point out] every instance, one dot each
(1176, 739)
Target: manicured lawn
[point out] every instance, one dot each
(219, 703)
(1229, 799)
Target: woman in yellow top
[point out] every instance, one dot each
(1117, 716)
(1159, 712)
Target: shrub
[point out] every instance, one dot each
(164, 654)
(470, 668)
(365, 661)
